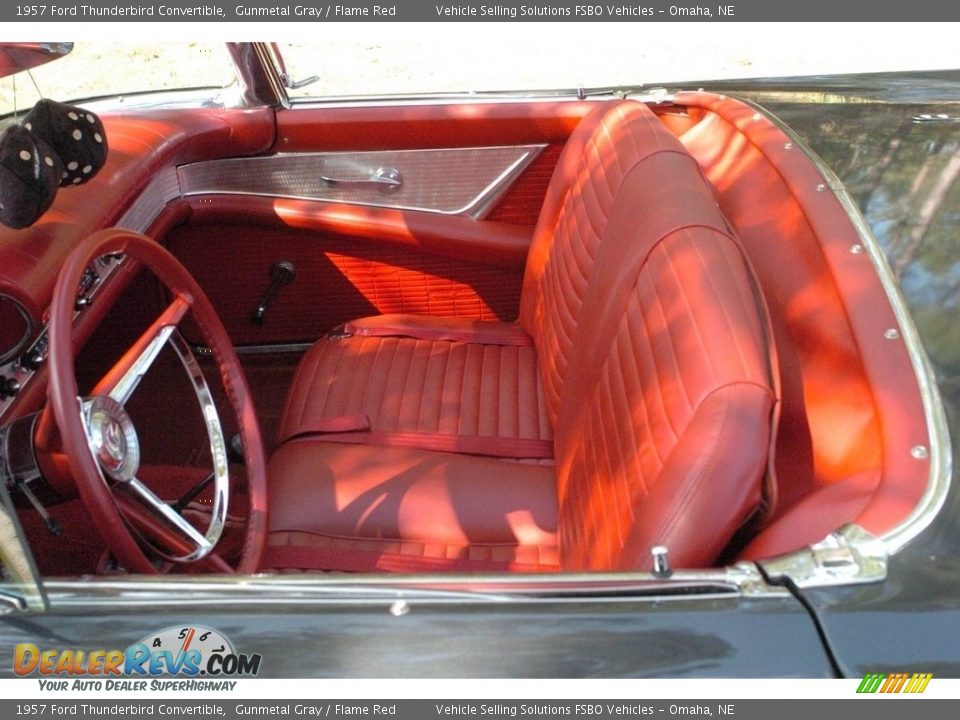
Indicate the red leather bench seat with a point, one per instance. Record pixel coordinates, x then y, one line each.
640 352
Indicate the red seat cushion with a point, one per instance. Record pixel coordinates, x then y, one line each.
353 507
422 387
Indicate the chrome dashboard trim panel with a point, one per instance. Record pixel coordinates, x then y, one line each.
151 201
454 181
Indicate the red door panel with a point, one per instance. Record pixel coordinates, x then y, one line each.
338 278
357 260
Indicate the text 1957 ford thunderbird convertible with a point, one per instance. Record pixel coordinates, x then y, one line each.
606 383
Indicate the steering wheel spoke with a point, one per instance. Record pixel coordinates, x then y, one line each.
172 517
124 377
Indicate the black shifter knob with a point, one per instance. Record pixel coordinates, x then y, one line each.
281 273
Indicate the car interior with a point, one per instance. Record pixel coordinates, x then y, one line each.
465 336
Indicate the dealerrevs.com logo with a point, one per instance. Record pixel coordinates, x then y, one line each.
187 652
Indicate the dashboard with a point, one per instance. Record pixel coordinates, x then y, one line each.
136 190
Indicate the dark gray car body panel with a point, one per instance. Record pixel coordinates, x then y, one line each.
729 637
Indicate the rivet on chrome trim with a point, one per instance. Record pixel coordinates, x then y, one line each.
919 452
856 249
891 334
399 608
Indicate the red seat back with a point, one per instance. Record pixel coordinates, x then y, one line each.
651 347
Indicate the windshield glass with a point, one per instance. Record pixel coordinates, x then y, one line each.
457 58
112 70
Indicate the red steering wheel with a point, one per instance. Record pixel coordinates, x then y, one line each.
101 441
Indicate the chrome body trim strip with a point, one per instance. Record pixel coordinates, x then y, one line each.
741 581
851 555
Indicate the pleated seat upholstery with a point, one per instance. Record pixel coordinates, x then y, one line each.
425 389
637 375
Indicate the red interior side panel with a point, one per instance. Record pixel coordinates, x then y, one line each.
521 205
336 281
845 380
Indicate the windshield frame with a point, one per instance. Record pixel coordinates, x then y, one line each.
21 585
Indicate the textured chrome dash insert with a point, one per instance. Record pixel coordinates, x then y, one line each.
150 203
451 181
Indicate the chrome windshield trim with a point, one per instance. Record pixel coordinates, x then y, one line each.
346 102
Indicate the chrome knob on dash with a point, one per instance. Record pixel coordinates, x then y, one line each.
661 565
